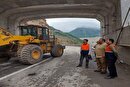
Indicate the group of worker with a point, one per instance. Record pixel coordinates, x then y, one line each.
106 56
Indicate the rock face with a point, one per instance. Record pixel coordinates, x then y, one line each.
66 38
41 22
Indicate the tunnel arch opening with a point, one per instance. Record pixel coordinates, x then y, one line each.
67 19
23 20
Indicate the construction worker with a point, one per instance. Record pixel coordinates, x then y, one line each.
100 56
111 57
84 53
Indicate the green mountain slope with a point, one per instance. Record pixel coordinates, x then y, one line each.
85 32
65 38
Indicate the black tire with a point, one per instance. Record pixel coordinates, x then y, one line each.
57 51
25 54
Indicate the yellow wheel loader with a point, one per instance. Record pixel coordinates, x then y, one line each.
30 45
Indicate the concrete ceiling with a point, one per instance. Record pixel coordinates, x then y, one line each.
13 4
47 6
17 10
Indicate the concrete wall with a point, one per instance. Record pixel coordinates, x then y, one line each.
124 49
125 37
124 42
124 53
3 22
125 5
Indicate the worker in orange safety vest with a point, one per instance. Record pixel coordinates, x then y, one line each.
84 53
111 57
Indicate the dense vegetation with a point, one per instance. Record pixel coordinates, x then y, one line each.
65 38
83 32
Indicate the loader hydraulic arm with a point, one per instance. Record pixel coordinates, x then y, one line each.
4 37
7 38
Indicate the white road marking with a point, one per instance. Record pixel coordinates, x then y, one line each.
4 77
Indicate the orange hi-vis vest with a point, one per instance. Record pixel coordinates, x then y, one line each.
85 47
108 49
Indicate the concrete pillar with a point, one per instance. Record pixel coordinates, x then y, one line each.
106 23
3 22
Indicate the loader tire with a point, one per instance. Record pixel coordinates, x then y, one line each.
30 54
57 51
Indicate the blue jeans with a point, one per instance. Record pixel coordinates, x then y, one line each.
84 54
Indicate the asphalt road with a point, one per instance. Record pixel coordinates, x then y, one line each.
62 72
13 65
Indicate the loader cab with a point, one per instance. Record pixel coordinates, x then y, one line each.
39 32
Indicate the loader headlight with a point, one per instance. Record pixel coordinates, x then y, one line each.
14 42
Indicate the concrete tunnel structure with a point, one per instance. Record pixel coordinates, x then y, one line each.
110 13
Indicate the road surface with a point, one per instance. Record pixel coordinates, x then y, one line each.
62 72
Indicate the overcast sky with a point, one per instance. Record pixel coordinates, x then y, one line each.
69 24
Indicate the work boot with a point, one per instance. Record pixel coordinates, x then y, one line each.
110 77
79 66
97 70
86 66
103 72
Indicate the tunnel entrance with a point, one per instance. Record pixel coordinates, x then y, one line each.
79 28
71 31
110 13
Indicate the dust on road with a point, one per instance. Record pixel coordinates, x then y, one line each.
62 72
